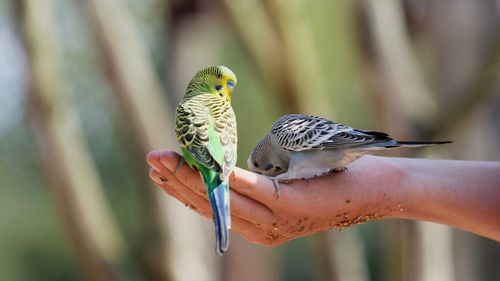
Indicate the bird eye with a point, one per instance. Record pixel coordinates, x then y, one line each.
230 83
218 87
255 164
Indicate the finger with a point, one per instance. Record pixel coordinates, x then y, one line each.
170 159
238 224
250 209
198 201
243 206
153 159
248 230
190 177
192 205
257 187
201 205
157 177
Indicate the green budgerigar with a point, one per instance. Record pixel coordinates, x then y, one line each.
206 130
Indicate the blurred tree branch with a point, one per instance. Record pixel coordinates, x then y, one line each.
269 61
73 179
397 59
480 90
301 59
139 95
354 266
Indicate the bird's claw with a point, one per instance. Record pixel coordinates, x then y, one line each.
179 164
276 187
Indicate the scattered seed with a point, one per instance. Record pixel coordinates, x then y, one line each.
272 236
357 220
275 226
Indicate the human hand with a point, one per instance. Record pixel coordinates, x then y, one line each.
303 207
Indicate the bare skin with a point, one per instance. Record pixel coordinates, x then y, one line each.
463 194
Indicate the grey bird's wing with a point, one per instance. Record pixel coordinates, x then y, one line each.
296 132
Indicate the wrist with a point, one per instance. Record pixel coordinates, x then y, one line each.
391 182
413 197
371 189
398 203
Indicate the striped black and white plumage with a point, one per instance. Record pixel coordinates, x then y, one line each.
303 146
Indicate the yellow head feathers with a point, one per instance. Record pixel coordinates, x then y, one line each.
218 80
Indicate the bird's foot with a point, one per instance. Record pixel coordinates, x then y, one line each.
179 164
276 187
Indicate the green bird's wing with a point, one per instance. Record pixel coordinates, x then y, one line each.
206 128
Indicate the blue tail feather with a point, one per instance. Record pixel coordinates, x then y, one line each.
219 200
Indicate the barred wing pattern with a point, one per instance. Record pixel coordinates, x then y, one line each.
297 132
194 115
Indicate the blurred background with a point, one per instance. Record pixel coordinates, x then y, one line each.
88 87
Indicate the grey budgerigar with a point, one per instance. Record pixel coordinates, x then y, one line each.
302 146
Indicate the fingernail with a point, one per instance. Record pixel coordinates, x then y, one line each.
156 180
151 157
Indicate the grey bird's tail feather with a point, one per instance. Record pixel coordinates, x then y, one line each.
382 140
219 200
396 144
416 143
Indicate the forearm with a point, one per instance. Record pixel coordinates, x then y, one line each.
463 194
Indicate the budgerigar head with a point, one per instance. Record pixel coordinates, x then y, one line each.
218 80
265 160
